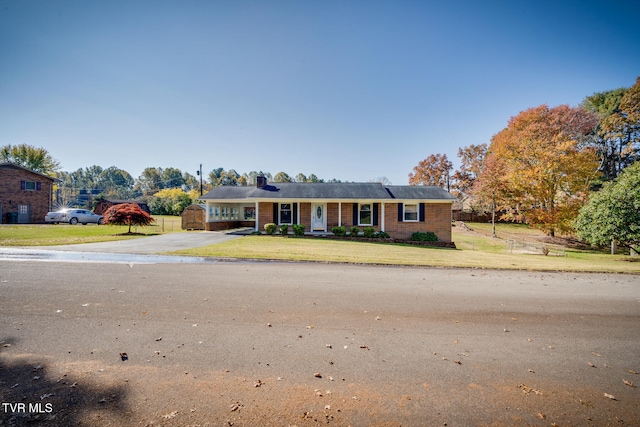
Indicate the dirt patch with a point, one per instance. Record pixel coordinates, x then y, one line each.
94 394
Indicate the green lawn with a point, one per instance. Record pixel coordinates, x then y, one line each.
65 234
487 253
474 248
60 234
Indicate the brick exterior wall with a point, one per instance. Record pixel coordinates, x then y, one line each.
305 215
11 194
265 215
437 218
228 225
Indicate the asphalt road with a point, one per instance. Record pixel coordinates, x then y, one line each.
249 344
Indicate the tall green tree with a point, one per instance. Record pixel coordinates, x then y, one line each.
229 177
215 175
150 181
613 213
30 157
282 177
314 178
171 178
116 183
618 134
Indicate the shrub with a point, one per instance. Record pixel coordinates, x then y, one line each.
369 232
420 236
339 231
298 230
270 228
284 229
382 235
354 231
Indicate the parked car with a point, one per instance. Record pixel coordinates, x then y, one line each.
73 216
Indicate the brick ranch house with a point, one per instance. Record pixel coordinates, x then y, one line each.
397 210
25 195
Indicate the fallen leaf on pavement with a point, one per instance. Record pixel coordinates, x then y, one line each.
526 389
610 396
170 415
629 383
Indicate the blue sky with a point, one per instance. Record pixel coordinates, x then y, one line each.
351 90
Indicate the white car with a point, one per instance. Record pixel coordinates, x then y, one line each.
73 216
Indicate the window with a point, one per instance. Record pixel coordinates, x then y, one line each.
365 217
224 213
249 213
29 185
234 213
411 213
286 215
214 212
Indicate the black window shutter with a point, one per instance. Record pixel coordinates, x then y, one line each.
275 213
295 213
421 212
375 213
38 186
400 213
23 185
355 214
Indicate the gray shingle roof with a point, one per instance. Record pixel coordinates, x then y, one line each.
419 192
331 191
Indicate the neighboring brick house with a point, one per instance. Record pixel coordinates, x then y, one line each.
103 205
397 210
25 195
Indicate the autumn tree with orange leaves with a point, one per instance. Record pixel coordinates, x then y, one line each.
434 170
548 165
472 160
491 188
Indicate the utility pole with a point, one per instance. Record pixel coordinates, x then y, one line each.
200 175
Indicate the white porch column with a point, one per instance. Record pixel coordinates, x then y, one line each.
382 213
339 214
257 216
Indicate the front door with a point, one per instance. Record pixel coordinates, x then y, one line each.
317 217
24 214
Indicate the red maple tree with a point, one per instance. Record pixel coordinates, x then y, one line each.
127 214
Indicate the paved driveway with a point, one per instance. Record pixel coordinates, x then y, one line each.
152 244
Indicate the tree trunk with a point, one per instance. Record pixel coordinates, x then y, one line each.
493 219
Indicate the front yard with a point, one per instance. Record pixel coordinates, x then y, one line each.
475 249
